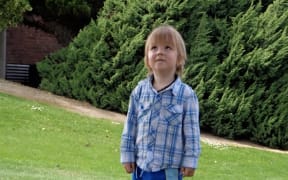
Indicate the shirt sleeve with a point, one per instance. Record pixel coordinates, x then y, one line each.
191 132
129 133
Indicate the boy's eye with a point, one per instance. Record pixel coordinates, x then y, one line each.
168 47
153 47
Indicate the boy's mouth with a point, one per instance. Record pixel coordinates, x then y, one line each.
160 60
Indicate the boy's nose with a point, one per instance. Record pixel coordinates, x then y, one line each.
159 50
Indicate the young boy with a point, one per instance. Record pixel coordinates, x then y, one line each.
161 137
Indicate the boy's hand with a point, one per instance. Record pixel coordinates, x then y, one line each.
129 167
187 172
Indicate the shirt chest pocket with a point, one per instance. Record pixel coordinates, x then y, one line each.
172 114
144 111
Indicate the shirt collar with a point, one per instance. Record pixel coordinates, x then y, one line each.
175 87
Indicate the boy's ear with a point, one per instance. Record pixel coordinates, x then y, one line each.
179 64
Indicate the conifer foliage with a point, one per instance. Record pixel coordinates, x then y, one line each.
237 62
11 12
253 79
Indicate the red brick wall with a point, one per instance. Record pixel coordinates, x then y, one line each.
27 45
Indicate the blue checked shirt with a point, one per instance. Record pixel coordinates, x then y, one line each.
162 128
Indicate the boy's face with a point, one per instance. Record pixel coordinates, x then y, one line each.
162 57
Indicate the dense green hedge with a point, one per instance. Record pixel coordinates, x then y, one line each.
237 62
11 12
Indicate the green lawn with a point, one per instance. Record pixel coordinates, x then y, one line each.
38 141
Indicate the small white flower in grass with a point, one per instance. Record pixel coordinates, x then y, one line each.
116 123
36 108
43 129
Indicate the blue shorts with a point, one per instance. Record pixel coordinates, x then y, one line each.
139 174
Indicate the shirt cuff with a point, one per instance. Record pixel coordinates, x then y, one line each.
190 162
127 157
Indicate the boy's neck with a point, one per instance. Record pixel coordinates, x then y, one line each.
160 82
